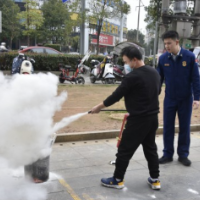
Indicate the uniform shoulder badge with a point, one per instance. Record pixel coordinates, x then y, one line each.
184 63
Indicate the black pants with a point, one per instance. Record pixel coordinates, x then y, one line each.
140 130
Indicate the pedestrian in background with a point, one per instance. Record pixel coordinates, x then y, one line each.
140 89
178 69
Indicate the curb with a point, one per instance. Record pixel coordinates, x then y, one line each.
96 135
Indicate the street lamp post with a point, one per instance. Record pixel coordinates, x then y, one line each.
138 21
82 29
155 45
121 25
0 22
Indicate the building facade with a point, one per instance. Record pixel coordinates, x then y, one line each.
110 32
21 2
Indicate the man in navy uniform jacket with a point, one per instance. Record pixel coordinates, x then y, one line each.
178 69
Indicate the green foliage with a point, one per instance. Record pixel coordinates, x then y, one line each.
53 62
45 62
6 60
10 22
31 19
132 35
153 13
74 42
148 61
54 46
56 22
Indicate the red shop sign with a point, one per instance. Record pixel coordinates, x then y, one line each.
104 40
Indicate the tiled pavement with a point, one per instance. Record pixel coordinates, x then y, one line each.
81 165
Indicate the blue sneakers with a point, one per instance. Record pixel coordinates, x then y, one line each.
112 182
155 185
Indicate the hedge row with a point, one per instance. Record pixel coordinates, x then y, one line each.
45 62
50 62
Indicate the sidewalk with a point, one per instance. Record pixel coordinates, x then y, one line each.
82 164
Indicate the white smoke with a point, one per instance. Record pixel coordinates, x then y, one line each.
27 106
19 189
28 103
67 120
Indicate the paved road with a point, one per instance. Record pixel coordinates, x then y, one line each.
81 165
77 167
87 81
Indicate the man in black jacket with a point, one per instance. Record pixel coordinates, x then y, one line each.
140 89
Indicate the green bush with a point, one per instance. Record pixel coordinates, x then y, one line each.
148 61
45 62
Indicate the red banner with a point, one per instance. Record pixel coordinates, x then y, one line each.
104 40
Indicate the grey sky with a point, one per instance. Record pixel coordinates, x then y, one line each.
132 18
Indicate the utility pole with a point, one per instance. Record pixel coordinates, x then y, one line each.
121 24
82 29
84 33
155 44
0 22
138 24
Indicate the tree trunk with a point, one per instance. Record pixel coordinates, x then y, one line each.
11 39
98 35
28 40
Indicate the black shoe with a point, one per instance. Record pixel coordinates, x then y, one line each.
165 159
185 161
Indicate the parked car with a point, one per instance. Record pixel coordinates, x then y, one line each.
22 47
40 49
74 53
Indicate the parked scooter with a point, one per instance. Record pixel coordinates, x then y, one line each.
22 64
3 48
76 77
103 73
84 69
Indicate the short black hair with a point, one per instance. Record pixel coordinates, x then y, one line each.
131 52
170 34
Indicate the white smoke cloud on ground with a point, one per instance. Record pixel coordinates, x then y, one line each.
27 106
19 189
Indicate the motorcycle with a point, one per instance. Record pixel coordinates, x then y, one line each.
22 64
118 72
76 77
105 73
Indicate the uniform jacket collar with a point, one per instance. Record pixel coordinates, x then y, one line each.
180 54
